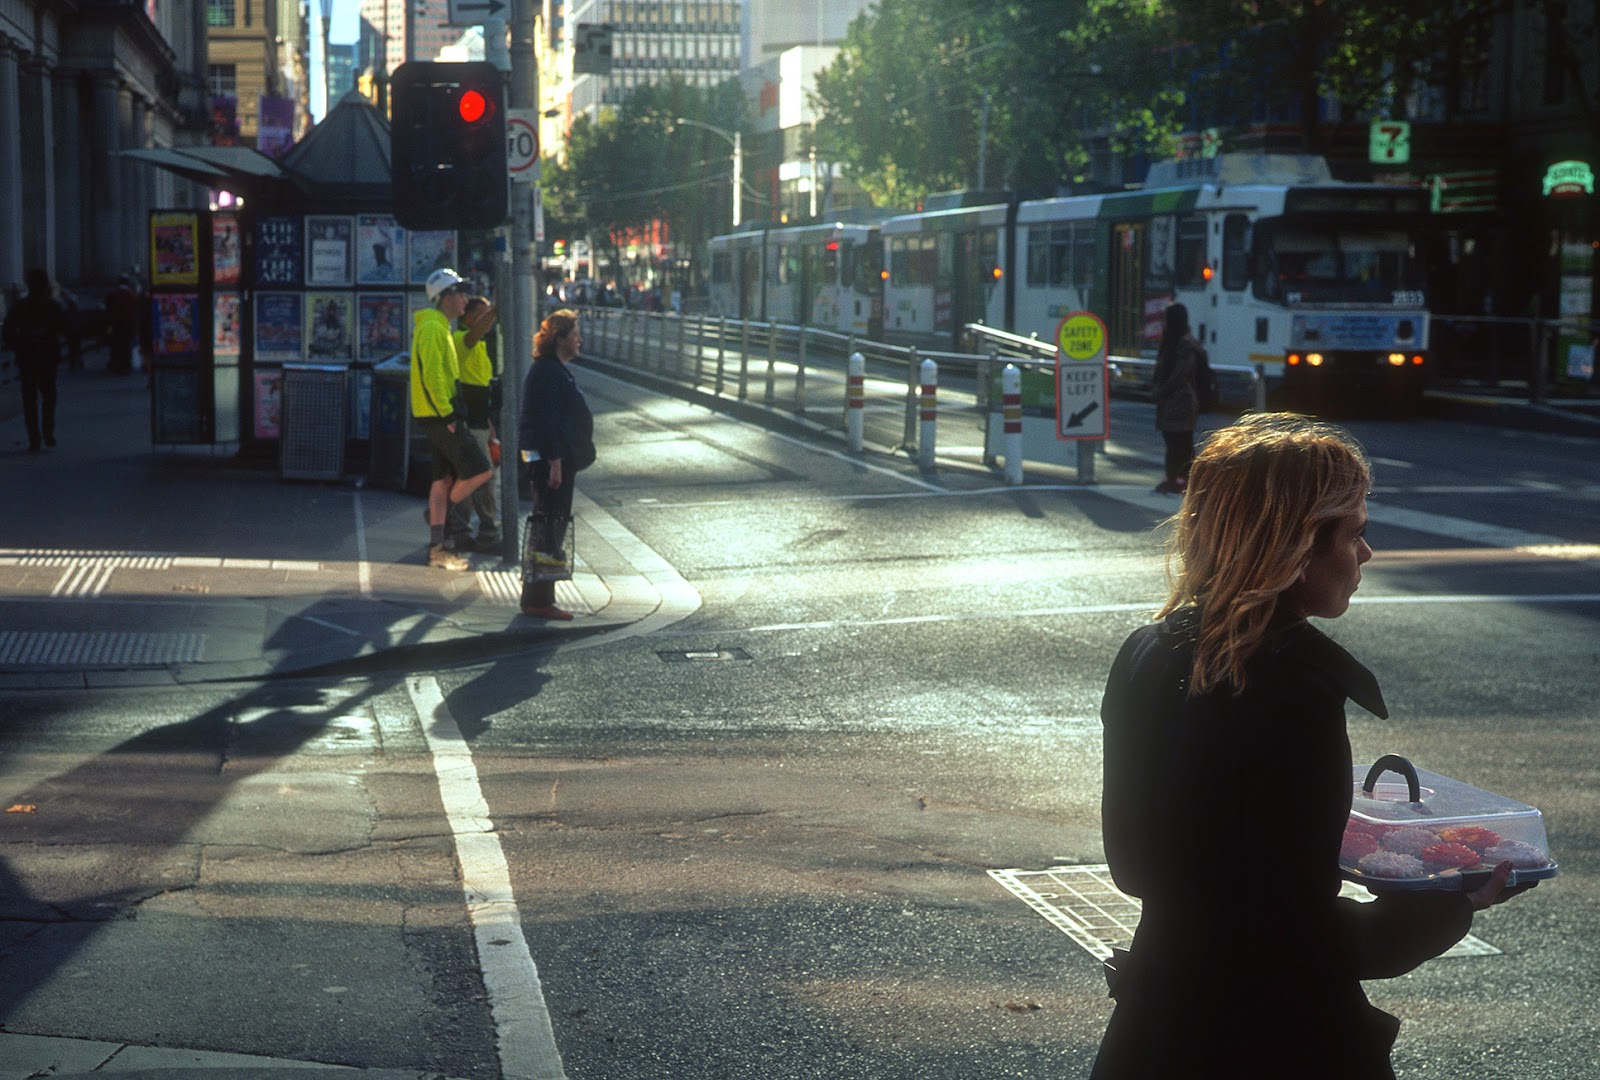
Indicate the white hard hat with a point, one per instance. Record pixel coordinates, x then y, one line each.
440 280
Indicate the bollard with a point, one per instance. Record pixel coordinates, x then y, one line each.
855 402
912 368
1011 412
772 375
928 436
800 376
744 358
722 337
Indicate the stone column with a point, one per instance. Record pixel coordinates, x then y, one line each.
70 184
11 268
105 177
38 167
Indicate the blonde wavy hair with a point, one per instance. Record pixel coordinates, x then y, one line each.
1263 494
556 325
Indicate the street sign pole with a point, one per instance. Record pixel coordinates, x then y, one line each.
518 315
1083 400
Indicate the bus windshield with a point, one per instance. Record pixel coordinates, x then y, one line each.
1316 263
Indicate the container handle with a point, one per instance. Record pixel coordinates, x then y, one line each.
1396 764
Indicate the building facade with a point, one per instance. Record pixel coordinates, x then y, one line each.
80 83
256 49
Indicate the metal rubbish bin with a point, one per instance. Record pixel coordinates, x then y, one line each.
391 423
311 443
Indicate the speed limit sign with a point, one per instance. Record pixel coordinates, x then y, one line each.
522 144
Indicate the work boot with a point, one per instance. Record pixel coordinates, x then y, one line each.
445 559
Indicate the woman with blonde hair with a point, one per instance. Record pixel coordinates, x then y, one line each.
1228 779
555 431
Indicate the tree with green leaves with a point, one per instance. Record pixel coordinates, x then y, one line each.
633 166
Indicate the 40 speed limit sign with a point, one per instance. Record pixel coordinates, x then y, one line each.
522 144
1082 397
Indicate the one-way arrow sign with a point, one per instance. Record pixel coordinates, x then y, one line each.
473 12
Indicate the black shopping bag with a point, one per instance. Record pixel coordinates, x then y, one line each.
547 548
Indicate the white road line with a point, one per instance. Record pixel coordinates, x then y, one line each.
526 1040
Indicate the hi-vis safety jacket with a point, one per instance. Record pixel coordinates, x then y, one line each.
434 368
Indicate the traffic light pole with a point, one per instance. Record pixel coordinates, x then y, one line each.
518 313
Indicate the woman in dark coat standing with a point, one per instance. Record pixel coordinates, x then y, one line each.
555 431
1177 400
1228 780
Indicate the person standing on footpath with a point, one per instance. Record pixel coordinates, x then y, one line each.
555 431
122 325
34 329
460 465
1228 777
477 375
1177 400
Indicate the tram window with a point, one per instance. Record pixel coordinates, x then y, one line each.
899 262
1191 251
1158 259
1039 261
1235 252
922 266
1082 256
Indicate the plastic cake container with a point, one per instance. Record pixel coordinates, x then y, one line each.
1420 830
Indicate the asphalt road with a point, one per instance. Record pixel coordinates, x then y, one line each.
756 842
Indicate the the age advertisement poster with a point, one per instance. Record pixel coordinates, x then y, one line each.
225 249
174 258
175 332
279 330
330 327
278 252
330 249
380 250
382 320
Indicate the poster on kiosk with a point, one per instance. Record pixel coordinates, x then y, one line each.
1082 378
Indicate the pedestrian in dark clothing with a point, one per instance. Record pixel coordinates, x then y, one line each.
555 432
34 330
1228 778
122 325
1177 400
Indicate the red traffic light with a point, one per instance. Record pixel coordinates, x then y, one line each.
472 106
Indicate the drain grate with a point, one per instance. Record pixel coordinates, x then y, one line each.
98 648
1082 903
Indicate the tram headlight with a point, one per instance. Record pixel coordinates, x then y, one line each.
1314 359
883 275
1294 359
1417 359
1397 359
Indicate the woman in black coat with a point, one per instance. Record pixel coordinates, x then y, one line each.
1176 394
1228 782
555 431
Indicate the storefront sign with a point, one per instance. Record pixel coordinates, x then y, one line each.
1567 178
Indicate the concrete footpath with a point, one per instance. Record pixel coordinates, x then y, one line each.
127 564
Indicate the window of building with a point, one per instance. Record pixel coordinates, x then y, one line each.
222 80
219 12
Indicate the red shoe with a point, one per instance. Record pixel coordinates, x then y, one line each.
547 612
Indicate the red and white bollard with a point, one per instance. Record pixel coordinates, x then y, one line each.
855 401
928 435
1011 412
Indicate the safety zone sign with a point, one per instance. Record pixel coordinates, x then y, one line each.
1083 409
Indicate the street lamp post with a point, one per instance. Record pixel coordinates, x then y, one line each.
736 140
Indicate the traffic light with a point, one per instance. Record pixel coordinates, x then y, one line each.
447 147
